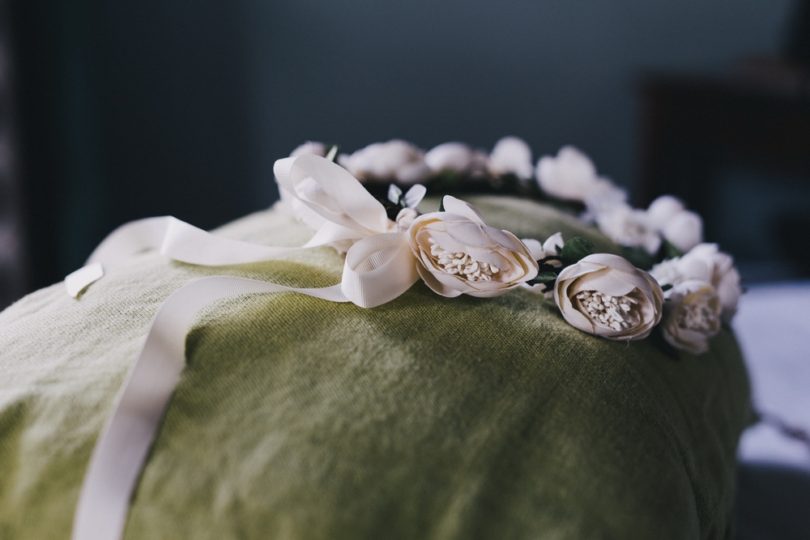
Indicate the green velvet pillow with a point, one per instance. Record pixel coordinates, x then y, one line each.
423 418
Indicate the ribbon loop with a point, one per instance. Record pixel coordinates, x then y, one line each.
189 244
378 269
322 194
333 193
130 239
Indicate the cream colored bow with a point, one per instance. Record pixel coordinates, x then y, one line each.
378 268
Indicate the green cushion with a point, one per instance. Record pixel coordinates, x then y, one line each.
423 418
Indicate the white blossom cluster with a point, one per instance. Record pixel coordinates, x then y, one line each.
700 289
400 161
569 176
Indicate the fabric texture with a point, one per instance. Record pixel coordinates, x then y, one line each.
422 418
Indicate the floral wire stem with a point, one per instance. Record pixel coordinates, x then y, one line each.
549 268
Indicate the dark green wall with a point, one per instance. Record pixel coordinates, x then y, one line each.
143 108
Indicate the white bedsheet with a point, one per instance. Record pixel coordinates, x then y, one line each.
773 326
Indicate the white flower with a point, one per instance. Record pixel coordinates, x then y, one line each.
724 276
550 248
409 199
663 209
704 262
451 156
684 230
668 272
603 198
405 218
310 147
511 155
692 316
553 244
571 175
607 296
459 254
629 227
393 160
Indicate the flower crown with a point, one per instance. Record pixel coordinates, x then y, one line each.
665 271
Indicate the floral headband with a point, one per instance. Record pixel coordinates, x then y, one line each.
665 274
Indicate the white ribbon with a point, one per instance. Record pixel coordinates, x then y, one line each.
181 242
379 267
121 449
322 194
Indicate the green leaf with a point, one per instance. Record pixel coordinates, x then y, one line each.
575 250
669 251
546 278
638 256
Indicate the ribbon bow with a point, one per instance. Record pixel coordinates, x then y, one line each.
325 196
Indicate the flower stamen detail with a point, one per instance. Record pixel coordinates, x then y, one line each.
698 317
462 264
614 312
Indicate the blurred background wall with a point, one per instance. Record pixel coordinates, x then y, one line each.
130 109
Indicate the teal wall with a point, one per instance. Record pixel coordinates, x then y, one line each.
144 108
555 72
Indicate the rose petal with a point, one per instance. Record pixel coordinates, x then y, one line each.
456 206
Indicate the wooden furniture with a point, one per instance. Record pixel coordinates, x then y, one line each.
696 127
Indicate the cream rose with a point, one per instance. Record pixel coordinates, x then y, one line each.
705 262
459 254
723 275
607 296
693 313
